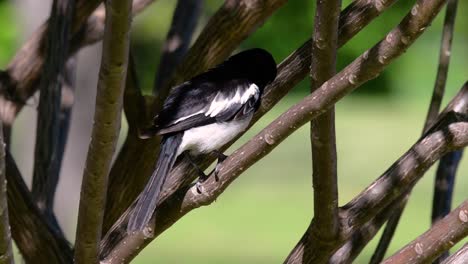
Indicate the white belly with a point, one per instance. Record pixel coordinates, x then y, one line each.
205 139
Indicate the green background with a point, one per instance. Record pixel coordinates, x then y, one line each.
265 212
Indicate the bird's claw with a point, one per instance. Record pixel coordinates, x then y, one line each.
199 187
216 171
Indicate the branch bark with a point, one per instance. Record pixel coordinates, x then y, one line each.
444 60
24 71
432 115
6 252
136 161
29 227
442 236
322 128
107 119
20 80
367 66
361 237
393 185
46 158
448 165
458 257
177 43
231 24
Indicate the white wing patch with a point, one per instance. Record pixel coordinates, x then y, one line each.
220 103
185 117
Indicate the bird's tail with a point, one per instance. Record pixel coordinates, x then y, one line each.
148 199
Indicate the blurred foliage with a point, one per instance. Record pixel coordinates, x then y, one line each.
9 33
289 27
368 131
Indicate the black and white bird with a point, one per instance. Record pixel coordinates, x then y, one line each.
203 114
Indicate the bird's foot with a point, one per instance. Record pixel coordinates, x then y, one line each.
202 177
221 158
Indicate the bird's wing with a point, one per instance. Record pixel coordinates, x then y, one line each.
209 103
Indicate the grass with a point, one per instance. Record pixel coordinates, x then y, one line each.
264 213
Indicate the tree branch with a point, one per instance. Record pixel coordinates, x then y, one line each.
364 68
29 227
228 27
322 128
231 24
24 71
446 135
20 80
46 159
432 115
136 161
444 60
6 252
107 119
133 103
447 169
442 236
458 257
361 237
177 43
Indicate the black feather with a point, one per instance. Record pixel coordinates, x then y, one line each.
148 199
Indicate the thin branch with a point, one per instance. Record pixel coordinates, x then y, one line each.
29 227
177 42
24 71
21 78
439 238
393 185
450 133
444 60
362 69
388 234
107 119
6 252
458 257
448 165
432 115
233 22
133 103
46 160
322 128
127 181
361 237
228 27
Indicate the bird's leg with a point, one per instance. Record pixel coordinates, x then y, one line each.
202 177
221 157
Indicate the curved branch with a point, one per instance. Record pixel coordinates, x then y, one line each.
364 68
231 24
29 228
106 128
6 252
432 115
20 80
136 160
177 42
361 237
47 149
322 128
458 257
439 238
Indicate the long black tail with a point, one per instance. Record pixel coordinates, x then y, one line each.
148 199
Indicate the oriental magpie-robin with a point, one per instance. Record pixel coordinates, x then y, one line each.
201 115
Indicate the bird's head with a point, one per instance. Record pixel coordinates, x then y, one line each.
256 65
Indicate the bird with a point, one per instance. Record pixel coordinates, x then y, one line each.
201 115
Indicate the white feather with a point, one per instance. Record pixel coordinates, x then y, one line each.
205 139
221 104
185 117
